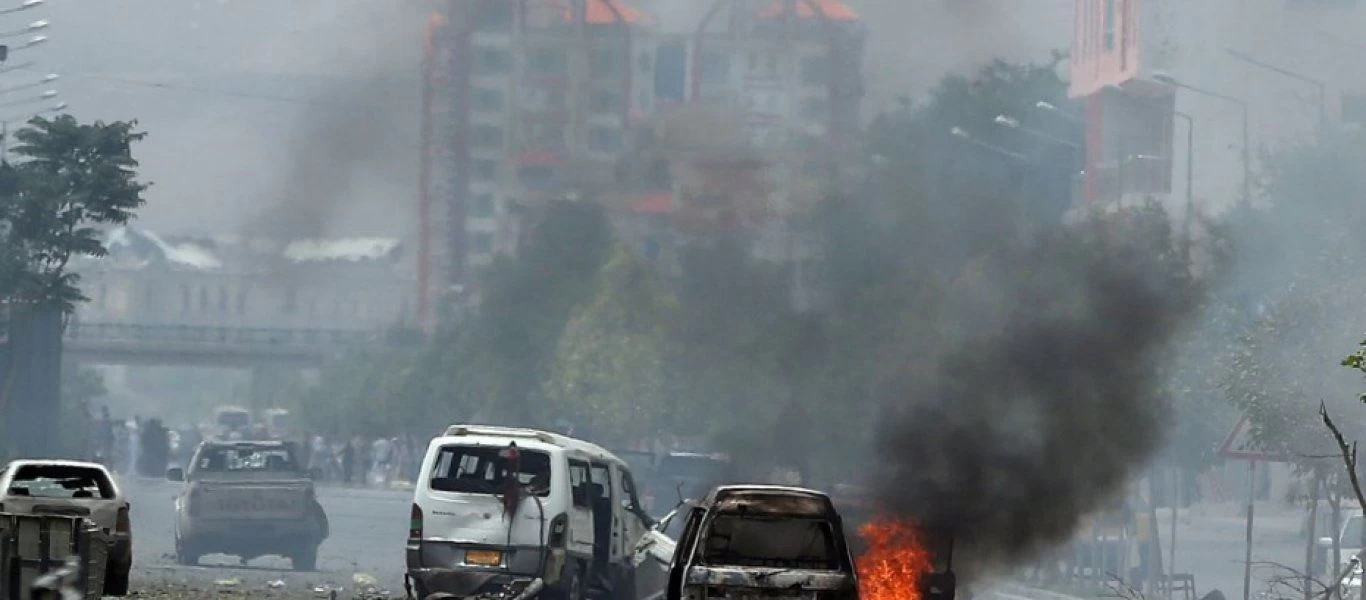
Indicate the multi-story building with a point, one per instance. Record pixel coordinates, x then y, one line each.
1279 69
526 99
533 99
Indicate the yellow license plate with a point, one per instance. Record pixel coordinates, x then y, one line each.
489 558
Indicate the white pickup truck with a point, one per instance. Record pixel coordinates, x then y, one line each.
247 499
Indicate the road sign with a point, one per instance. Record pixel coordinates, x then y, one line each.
1239 445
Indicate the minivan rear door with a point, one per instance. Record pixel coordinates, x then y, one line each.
466 491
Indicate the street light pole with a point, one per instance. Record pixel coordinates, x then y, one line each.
1241 104
1322 87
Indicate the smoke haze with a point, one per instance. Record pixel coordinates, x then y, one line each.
1043 401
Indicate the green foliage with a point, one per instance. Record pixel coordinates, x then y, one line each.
611 373
1297 253
69 178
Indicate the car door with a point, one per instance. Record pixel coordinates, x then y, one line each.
654 551
682 555
607 501
635 521
580 511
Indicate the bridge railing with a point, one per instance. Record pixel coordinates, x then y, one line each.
216 335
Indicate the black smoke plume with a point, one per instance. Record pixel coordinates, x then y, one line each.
1045 400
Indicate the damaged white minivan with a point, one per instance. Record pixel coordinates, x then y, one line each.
496 507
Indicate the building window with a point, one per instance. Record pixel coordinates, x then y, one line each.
488 100
604 102
604 63
546 63
481 242
485 170
715 67
763 66
492 61
482 205
495 16
604 139
543 135
1110 25
538 177
816 109
488 136
816 70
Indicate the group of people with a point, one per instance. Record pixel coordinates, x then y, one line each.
145 447
370 463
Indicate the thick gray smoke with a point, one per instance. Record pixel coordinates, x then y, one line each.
353 143
1045 402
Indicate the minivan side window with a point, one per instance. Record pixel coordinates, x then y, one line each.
628 491
578 483
602 482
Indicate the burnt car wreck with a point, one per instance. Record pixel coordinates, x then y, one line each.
758 540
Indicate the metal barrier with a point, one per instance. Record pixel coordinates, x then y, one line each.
212 334
50 556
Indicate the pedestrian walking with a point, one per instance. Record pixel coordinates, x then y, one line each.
348 462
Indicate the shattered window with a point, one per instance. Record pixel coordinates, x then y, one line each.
483 470
231 459
791 543
52 481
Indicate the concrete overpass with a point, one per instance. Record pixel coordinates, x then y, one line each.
207 346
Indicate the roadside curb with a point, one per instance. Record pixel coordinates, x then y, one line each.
1031 593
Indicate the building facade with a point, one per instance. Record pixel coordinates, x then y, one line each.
1143 66
530 100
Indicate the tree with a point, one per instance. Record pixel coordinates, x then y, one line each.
611 372
70 178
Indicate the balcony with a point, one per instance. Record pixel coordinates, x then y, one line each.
1139 174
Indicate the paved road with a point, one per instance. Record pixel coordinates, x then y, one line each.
368 530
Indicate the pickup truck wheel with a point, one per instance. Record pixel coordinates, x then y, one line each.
116 579
306 559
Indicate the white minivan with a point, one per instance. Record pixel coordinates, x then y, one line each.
495 505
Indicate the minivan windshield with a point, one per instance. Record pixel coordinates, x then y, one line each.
484 470
781 542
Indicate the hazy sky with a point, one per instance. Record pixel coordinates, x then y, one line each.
205 78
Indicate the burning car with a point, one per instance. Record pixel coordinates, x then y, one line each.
773 541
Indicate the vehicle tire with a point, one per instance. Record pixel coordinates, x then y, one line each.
116 579
306 559
185 554
570 586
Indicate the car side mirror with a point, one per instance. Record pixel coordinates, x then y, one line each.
1325 542
175 474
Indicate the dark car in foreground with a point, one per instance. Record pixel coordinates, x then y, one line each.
777 542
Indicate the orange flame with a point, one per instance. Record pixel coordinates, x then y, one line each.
895 561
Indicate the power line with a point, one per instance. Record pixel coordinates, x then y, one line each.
231 93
